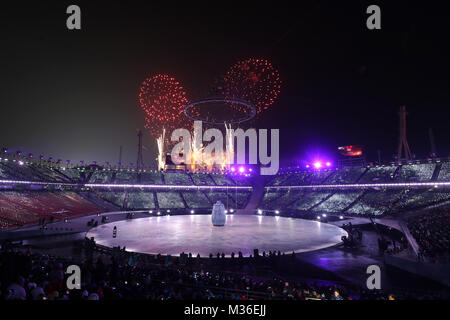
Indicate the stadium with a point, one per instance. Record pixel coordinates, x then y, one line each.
245 153
68 212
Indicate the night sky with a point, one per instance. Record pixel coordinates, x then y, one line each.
73 94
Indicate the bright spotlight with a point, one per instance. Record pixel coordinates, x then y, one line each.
324 215
231 210
226 211
341 217
277 212
259 211
317 165
192 211
318 217
328 164
159 213
151 211
233 169
241 169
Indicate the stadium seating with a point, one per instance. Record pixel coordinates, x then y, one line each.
444 173
202 179
375 202
72 173
379 174
177 178
416 172
151 178
22 206
101 177
338 202
276 200
140 200
345 176
196 199
222 180
432 233
170 200
311 199
116 198
125 177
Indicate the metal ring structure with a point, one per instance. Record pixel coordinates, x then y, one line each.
248 117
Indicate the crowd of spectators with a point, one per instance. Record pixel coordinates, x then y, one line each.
432 233
35 276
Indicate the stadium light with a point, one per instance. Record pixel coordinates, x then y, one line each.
318 217
259 211
277 212
341 217
318 165
324 215
192 211
231 210
151 211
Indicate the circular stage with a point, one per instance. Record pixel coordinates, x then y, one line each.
195 233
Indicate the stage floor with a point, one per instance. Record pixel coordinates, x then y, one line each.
195 233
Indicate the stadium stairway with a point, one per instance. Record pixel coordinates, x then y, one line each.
257 194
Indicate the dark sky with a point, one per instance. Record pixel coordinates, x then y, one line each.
73 94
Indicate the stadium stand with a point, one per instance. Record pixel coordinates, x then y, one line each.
311 199
432 234
379 174
151 178
170 200
116 198
177 178
101 177
202 179
222 180
444 174
338 202
344 176
375 202
196 199
140 200
126 177
21 206
416 172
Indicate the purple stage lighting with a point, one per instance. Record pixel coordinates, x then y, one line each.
328 164
241 169
317 164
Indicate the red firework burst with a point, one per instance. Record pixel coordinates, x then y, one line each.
163 100
254 80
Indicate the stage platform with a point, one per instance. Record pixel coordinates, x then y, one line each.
195 234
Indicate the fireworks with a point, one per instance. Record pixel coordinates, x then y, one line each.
163 99
253 80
